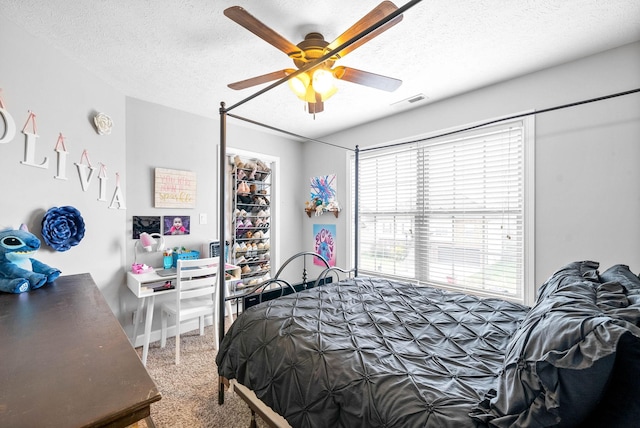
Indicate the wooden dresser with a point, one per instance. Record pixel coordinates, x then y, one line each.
66 362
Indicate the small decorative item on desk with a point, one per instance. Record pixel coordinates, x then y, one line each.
184 254
167 258
140 268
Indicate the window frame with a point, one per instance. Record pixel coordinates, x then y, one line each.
528 211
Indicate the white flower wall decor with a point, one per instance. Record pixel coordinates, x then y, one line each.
103 123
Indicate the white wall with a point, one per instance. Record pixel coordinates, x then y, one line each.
64 97
587 175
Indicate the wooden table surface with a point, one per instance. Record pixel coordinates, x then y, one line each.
66 362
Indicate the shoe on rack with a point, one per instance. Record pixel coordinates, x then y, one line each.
240 230
243 189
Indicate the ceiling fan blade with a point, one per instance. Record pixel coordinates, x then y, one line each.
275 75
379 12
366 78
248 21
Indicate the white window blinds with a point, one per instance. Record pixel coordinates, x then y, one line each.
448 212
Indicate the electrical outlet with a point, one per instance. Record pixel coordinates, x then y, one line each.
133 318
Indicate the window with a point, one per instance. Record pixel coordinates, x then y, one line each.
453 211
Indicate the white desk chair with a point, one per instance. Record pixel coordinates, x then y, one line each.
195 297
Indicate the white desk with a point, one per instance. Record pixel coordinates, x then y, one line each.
138 282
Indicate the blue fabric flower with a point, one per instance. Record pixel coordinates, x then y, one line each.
62 228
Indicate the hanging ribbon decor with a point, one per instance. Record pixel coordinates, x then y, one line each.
61 153
117 201
85 178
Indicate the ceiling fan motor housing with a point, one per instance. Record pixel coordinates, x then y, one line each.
313 46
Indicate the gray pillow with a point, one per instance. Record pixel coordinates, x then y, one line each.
576 271
622 274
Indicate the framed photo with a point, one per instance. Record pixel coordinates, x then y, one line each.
149 224
177 225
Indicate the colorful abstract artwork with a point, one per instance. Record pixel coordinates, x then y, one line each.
324 188
324 243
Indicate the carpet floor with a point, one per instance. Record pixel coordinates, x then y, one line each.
190 389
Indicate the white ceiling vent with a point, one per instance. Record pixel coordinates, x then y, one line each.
407 102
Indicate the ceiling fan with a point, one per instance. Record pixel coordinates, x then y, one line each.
316 85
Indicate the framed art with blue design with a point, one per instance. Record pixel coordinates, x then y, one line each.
324 237
323 188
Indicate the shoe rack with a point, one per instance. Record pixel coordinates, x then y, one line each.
251 213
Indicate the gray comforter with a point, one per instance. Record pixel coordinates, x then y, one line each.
378 353
371 353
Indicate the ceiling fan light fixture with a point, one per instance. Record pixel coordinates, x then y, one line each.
313 89
299 85
312 96
323 82
328 94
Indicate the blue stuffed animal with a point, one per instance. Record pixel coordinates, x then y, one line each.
18 271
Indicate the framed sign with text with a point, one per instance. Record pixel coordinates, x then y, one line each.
175 188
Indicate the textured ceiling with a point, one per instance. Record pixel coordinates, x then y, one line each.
183 53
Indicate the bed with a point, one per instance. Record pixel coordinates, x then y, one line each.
374 352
